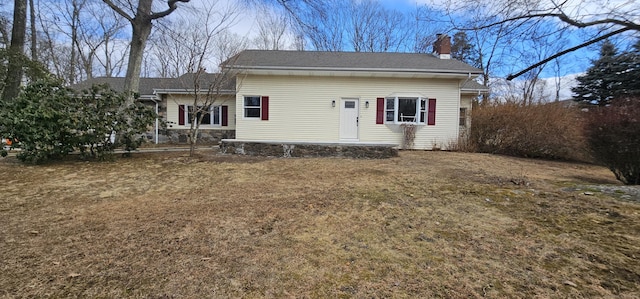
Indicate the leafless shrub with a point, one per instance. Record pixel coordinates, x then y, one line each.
462 144
614 137
409 135
538 131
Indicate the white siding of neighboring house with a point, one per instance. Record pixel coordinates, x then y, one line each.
173 101
300 108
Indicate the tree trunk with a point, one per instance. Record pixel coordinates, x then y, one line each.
16 51
34 35
141 26
141 31
75 16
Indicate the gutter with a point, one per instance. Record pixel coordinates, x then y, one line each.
380 70
189 91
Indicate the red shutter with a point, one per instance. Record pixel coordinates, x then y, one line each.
265 108
431 118
225 118
181 115
379 110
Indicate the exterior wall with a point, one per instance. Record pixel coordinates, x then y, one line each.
300 108
176 133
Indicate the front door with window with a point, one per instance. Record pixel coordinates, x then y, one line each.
349 119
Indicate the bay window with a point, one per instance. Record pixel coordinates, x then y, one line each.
405 110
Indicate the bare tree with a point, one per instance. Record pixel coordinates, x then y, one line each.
16 51
96 41
4 31
208 94
186 45
372 28
186 49
273 27
358 25
323 25
140 17
211 90
596 20
58 20
104 39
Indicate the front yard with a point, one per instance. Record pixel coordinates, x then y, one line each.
425 224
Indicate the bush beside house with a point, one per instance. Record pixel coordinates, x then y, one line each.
49 121
548 131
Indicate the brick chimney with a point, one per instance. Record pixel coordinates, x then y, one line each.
442 46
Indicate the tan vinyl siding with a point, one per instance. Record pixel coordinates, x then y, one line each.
300 108
173 101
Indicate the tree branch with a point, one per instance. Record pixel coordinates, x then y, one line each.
563 17
173 4
118 10
590 42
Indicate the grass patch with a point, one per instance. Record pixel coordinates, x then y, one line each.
425 224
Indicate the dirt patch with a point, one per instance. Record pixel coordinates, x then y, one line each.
425 224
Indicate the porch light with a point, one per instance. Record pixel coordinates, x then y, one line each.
333 103
366 104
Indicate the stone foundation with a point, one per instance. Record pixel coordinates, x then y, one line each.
287 150
173 136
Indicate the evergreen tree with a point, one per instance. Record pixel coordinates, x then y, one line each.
463 50
611 76
630 65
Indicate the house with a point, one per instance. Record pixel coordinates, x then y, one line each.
418 101
293 97
172 99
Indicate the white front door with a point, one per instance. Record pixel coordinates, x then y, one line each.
349 119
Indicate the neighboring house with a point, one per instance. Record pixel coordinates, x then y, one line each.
325 97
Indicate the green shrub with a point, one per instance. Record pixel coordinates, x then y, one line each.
49 121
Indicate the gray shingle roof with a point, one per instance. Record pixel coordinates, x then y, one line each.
472 85
148 85
347 61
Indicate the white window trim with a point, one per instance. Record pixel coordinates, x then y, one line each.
418 120
211 121
466 117
244 107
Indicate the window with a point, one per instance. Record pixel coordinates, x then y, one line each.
423 110
252 107
390 108
463 117
405 110
211 117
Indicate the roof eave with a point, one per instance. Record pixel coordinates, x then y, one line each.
381 70
474 91
380 73
191 91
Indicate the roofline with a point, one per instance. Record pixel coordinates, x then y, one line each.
189 91
381 70
473 89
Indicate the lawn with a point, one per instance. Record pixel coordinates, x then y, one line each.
425 224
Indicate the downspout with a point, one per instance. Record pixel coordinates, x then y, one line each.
156 124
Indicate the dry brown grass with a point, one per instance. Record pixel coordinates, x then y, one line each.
425 224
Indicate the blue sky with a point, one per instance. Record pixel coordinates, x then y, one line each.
571 64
